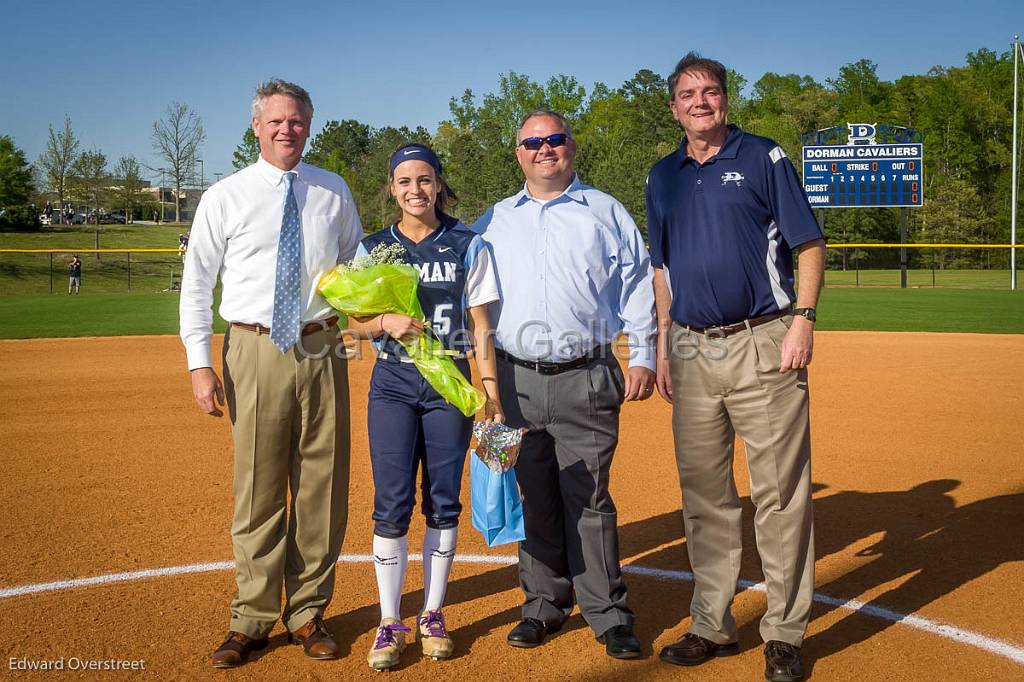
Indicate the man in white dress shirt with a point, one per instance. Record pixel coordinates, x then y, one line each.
573 274
269 231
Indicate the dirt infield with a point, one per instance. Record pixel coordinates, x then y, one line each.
109 468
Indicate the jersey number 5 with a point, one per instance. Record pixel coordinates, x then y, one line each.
442 322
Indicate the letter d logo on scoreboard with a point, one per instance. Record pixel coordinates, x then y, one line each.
861 133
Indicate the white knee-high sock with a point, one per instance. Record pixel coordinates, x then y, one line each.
438 554
390 557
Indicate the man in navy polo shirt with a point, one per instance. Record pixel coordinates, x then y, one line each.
726 212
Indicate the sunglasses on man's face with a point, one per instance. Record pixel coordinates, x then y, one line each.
535 143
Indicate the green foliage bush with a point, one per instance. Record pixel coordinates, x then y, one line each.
20 219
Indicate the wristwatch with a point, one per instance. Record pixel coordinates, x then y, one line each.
809 313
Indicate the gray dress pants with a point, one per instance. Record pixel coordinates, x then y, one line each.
571 540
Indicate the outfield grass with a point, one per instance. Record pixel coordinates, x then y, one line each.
935 310
931 310
921 278
964 300
45 316
71 237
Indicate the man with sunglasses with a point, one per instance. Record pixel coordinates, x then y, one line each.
726 213
573 274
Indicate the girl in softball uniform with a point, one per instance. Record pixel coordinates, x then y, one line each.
411 427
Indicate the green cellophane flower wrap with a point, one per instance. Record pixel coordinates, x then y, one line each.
369 287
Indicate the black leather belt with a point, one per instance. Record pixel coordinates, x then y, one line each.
549 368
730 329
307 329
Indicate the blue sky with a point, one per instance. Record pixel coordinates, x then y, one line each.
114 66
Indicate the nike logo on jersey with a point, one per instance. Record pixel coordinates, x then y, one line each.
437 272
444 249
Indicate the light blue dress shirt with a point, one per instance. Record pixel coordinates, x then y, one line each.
573 273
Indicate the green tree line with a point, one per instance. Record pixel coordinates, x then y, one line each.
963 112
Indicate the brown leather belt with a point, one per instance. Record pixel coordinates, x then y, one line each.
310 328
550 368
730 329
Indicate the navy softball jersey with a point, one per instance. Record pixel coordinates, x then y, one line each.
411 426
456 273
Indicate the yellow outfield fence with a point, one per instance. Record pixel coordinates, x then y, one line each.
868 245
941 264
90 250
859 264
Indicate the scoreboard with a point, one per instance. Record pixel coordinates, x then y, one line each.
863 175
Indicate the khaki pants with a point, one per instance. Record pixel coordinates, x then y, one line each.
289 414
728 386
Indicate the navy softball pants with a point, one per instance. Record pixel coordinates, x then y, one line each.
412 427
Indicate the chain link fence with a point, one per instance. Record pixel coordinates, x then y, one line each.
38 271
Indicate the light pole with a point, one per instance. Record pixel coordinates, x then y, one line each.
160 193
1013 172
217 175
202 182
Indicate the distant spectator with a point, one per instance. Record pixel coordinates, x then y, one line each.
182 245
74 275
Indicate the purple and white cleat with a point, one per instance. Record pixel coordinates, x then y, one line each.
388 645
434 636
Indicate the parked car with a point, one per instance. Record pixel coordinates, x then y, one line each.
78 219
116 217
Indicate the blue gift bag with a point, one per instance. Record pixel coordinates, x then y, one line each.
497 506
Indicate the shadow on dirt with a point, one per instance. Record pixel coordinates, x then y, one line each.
926 539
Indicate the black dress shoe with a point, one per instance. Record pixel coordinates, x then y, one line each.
694 649
782 662
620 642
530 633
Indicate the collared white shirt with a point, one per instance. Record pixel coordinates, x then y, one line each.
235 235
573 273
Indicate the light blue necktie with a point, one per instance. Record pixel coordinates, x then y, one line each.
284 327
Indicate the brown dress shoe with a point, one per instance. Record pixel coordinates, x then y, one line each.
693 650
316 640
236 649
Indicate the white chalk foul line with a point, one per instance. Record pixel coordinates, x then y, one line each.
1006 649
990 644
131 576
